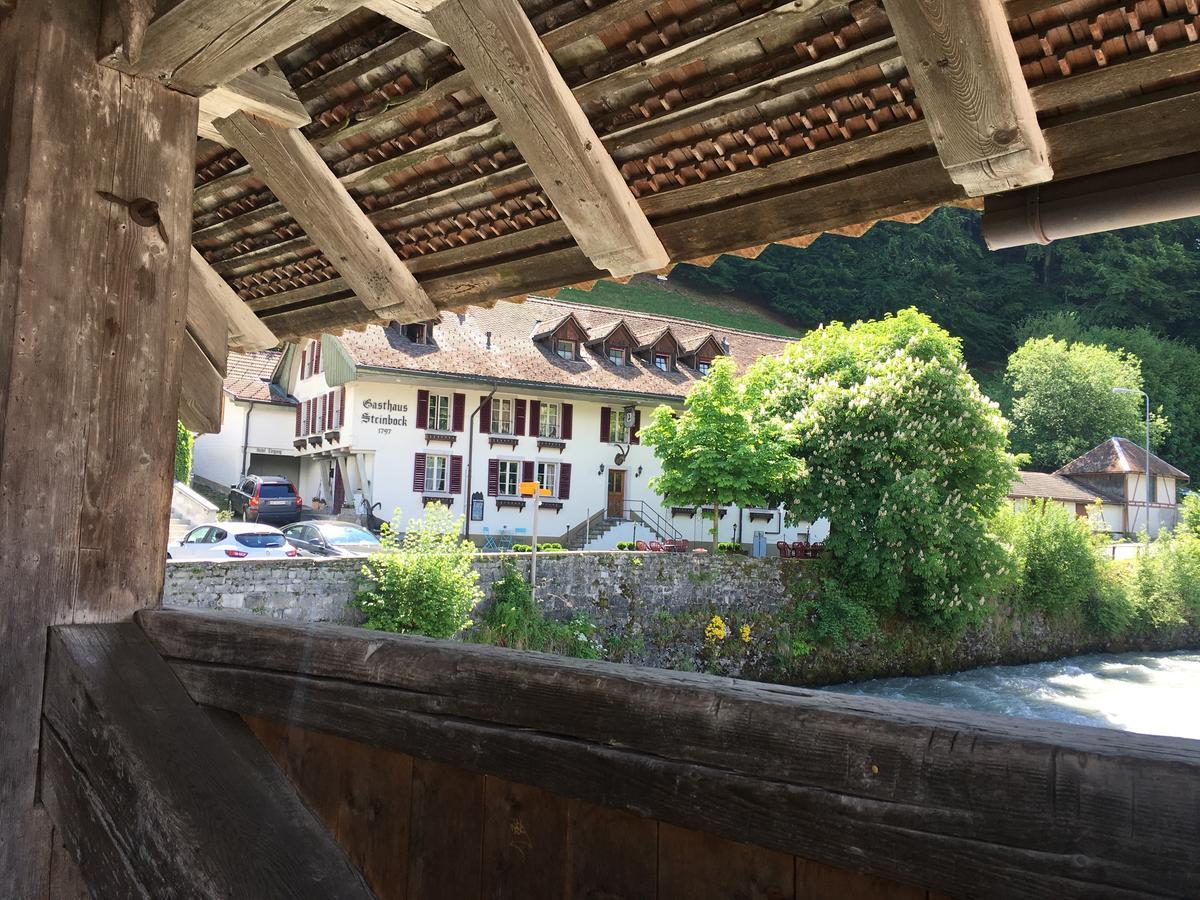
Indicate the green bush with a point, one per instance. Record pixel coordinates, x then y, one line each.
1056 563
1110 609
548 547
184 444
626 545
515 620
729 547
1164 581
1189 514
425 585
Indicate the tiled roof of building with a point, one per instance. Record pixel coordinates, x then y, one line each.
461 348
249 377
1119 456
1040 486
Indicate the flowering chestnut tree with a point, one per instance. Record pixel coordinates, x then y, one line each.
906 459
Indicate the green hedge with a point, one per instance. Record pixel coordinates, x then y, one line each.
548 547
184 442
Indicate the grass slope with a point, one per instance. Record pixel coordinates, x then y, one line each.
665 299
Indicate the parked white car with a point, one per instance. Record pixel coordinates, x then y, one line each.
232 540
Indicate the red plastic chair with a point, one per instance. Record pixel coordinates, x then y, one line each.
800 549
681 545
656 547
641 546
785 552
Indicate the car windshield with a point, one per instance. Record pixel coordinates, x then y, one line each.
275 490
260 539
348 534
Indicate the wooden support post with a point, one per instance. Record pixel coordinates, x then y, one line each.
296 174
92 308
524 88
968 79
155 799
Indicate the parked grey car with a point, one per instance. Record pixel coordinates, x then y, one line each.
331 538
265 498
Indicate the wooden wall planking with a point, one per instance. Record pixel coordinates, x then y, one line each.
422 830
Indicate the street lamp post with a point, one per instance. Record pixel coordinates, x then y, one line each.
1124 390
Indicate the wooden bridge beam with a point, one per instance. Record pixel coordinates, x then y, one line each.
93 296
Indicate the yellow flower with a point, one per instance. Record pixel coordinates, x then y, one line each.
715 630
744 631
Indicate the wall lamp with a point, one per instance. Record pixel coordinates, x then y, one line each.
600 471
638 473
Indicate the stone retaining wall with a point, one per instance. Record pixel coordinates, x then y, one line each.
652 609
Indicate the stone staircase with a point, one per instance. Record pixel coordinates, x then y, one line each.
179 527
585 533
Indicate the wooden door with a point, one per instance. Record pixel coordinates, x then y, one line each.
616 493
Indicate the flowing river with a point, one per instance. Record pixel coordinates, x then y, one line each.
1150 693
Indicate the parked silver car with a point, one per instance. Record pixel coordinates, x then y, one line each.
232 540
331 538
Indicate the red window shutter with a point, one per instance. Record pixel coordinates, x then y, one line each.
324 412
304 415
493 477
422 409
535 418
303 363
605 423
527 470
316 356
485 415
519 417
342 407
298 412
312 415
419 473
330 410
456 474
564 481
458 411
637 426
565 424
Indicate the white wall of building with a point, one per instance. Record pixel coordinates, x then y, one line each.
1163 511
381 436
218 457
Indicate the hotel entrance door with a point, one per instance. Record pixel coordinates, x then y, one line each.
616 493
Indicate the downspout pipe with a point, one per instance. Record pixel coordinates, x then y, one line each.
1122 198
246 436
471 460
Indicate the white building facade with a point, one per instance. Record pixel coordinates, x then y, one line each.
462 410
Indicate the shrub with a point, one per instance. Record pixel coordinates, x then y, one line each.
626 545
548 547
1189 514
1110 609
184 444
1056 564
426 584
515 620
1164 581
729 547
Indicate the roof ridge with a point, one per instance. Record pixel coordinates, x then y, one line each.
621 313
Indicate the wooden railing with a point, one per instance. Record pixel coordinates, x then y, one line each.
966 804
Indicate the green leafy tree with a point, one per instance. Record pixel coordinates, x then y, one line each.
713 453
1063 402
184 444
425 584
905 458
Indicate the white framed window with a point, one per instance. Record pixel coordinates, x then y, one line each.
502 416
616 354
662 361
439 413
549 417
618 431
508 473
703 366
437 474
565 348
547 476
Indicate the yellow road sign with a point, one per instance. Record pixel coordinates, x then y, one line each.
529 488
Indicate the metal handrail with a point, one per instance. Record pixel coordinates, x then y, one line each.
653 520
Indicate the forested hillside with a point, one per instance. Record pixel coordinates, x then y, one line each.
1138 277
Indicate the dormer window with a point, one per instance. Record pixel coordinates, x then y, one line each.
418 332
567 349
663 362
703 366
617 355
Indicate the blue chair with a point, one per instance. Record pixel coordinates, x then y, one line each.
489 543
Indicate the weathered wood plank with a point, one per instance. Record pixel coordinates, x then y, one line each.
410 15
201 397
524 842
816 881
527 93
361 793
91 315
297 175
198 45
937 792
967 76
244 331
610 854
154 800
446 847
264 91
697 866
